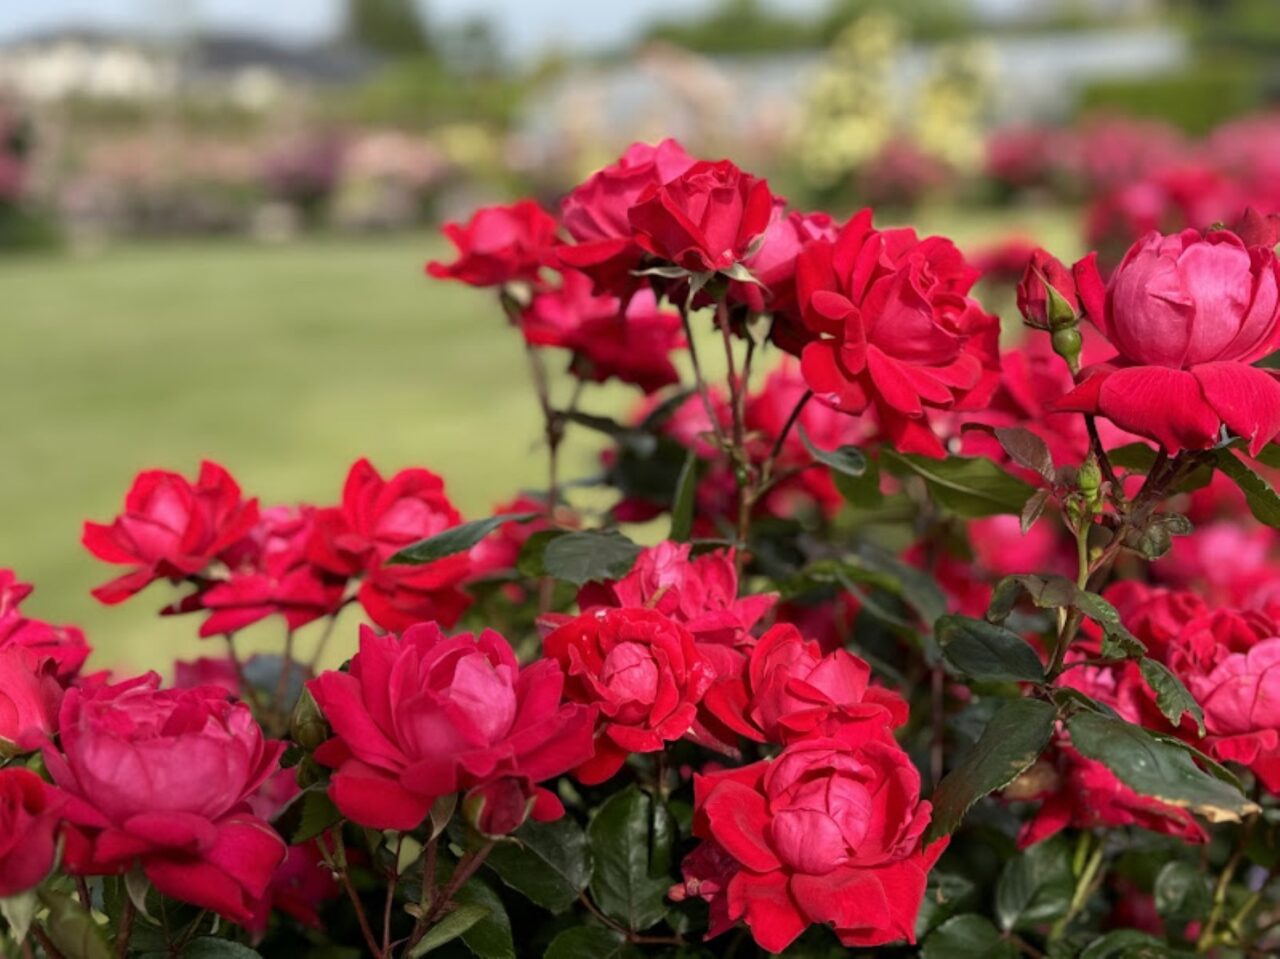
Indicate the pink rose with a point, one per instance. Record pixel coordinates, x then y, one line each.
1188 314
642 669
826 832
29 815
163 778
1241 702
170 528
426 715
65 645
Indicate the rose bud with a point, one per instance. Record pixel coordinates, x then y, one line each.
1047 297
29 816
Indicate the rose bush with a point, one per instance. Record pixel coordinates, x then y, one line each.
897 644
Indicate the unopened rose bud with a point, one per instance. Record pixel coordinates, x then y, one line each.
307 726
1047 297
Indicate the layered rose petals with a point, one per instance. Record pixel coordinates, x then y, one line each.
30 811
499 245
424 716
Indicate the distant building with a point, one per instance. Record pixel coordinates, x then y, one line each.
243 70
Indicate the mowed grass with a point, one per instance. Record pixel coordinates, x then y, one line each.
285 364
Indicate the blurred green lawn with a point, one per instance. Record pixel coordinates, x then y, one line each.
283 363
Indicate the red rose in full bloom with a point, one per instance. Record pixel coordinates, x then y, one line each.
65 645
29 700
1241 702
378 518
633 344
896 330
706 219
170 528
499 244
29 815
827 832
1188 314
642 669
163 778
791 691
427 715
270 573
596 215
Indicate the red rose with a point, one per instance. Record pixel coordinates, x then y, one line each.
299 887
824 833
170 528
65 645
791 691
1241 702
1155 615
29 817
705 220
162 778
642 669
377 519
896 330
498 245
596 215
1187 314
425 716
633 344
270 573
1044 272
29 699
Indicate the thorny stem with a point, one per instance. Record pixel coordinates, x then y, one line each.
1085 884
464 870
337 861
703 391
281 695
1207 935
786 430
50 950
247 692
125 929
1104 461
323 642
393 878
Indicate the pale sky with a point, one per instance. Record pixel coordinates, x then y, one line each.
525 25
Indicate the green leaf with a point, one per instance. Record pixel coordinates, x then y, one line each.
490 937
967 937
72 929
970 487
1156 538
1173 698
1138 457
453 925
1033 508
589 942
623 884
549 863
318 814
1155 768
1262 499
946 894
987 652
1056 592
1036 887
455 539
846 460
1182 892
1026 449
1012 741
860 492
529 562
587 556
1131 944
686 498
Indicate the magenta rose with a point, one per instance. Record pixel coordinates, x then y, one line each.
826 832
644 672
163 779
30 810
170 528
791 691
596 215
1043 272
379 517
64 645
1188 314
29 700
705 220
1241 702
424 716
499 245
